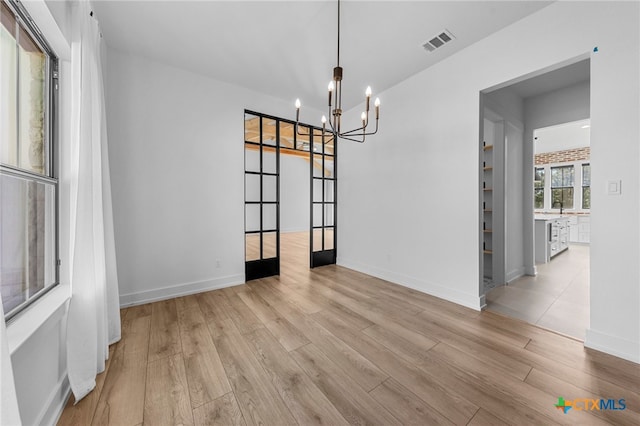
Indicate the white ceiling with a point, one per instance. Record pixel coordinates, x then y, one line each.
578 72
576 134
288 48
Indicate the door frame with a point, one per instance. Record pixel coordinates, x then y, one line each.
261 268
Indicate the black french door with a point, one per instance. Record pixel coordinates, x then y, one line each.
266 139
324 205
262 196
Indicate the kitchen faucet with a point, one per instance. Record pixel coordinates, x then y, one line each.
559 202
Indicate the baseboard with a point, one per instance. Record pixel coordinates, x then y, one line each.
293 230
613 345
473 301
483 302
531 271
170 292
515 274
56 402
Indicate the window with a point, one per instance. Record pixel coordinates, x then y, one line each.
562 179
586 186
538 188
28 184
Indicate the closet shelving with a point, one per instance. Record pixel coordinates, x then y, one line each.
487 210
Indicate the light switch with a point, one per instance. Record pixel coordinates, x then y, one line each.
614 187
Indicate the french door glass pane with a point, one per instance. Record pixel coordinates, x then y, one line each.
317 189
269 188
252 158
268 132
328 215
252 187
302 140
317 215
251 128
252 247
328 238
252 217
317 240
286 135
269 218
269 159
269 245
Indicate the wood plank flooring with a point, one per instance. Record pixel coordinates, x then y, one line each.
333 346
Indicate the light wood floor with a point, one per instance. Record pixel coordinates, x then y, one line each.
332 346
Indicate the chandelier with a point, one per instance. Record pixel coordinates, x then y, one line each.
335 106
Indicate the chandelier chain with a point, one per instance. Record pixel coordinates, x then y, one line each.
338 33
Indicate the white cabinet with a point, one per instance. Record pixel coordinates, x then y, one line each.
584 229
580 229
551 237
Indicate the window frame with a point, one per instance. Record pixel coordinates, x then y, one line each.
50 142
564 187
577 188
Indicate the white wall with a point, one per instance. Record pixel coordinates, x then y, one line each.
177 168
514 203
294 194
409 198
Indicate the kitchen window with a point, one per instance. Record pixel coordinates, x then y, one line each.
562 180
586 186
28 180
538 188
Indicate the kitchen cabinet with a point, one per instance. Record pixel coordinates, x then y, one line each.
551 237
580 229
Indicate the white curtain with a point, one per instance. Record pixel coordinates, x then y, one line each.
94 317
9 414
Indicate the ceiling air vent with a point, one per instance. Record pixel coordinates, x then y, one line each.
438 41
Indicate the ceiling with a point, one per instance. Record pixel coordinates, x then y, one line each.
575 134
288 48
569 75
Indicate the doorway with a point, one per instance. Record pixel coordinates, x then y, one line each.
545 176
290 202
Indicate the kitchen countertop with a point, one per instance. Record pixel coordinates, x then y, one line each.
549 217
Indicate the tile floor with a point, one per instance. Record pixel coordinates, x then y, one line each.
556 299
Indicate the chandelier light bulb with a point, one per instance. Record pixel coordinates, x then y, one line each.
377 102
298 103
368 91
331 86
324 119
363 116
